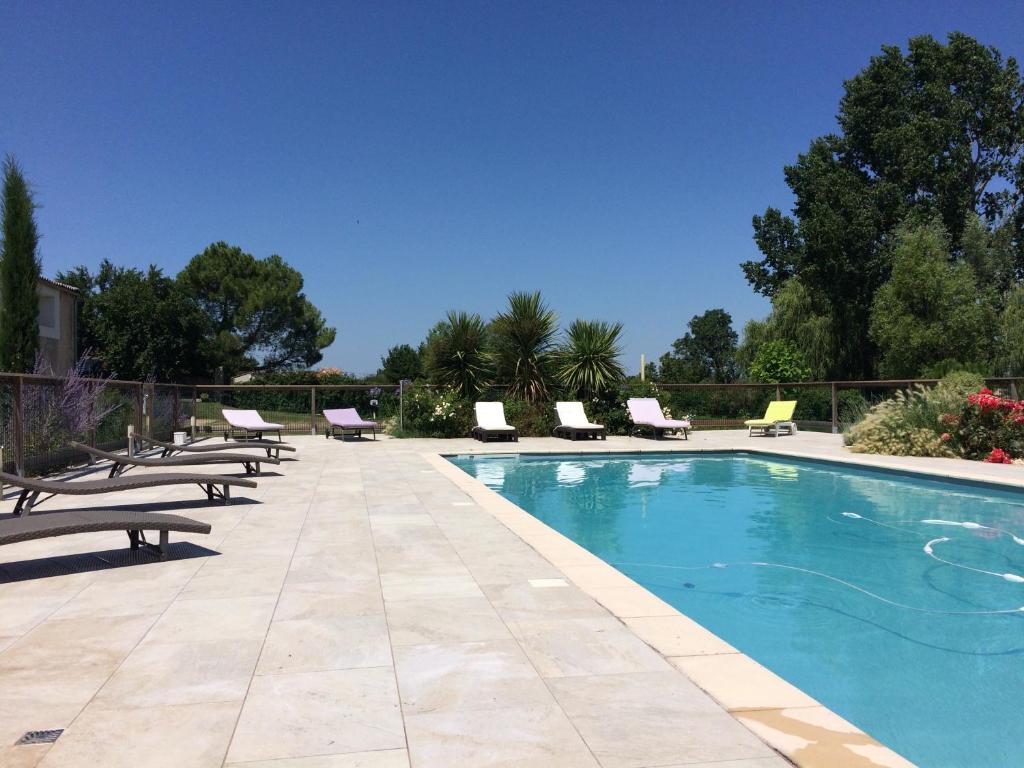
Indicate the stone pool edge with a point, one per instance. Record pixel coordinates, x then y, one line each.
791 722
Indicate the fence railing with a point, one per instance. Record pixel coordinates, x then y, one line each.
34 434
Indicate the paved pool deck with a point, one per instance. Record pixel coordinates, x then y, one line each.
369 605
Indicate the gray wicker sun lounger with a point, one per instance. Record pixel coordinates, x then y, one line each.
121 460
32 488
43 526
172 448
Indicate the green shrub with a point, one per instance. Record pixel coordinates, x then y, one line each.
436 413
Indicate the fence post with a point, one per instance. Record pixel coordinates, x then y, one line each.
401 403
175 410
19 426
778 392
835 409
195 400
1013 389
312 410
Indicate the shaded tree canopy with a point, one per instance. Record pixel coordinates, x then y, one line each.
260 317
140 324
19 273
707 352
936 131
932 308
401 362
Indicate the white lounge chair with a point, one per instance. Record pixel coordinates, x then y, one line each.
250 424
575 424
646 412
491 424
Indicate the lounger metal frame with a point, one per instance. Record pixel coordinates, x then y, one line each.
72 522
574 433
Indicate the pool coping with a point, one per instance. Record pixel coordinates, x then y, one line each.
791 722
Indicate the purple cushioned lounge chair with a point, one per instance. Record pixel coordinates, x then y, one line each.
646 412
348 419
250 424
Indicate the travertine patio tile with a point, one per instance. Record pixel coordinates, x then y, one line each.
387 758
126 599
193 735
523 602
97 642
332 566
444 620
19 614
205 620
304 645
329 599
25 756
677 636
460 677
159 674
318 713
410 587
565 647
649 719
509 738
738 682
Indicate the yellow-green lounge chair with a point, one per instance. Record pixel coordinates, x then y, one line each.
778 415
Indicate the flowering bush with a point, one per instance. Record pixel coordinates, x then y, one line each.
437 413
945 421
988 427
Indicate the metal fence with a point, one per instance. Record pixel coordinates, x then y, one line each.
34 437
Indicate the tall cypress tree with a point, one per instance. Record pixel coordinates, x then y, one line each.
19 273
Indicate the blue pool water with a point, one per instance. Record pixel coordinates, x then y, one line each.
826 580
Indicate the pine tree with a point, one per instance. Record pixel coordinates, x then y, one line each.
19 273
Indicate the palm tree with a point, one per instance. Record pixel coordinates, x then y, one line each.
456 354
524 343
588 363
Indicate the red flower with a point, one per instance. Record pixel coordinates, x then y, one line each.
999 456
945 437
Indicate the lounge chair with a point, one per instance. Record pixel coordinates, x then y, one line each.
348 419
43 526
32 488
575 424
490 423
119 461
249 423
779 415
646 412
169 449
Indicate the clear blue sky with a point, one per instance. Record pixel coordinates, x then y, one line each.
414 157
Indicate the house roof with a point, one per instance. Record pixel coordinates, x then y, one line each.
58 285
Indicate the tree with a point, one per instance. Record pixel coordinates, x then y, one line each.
141 324
1011 342
523 339
777 362
931 309
795 320
938 131
260 317
19 274
401 362
588 363
707 352
456 354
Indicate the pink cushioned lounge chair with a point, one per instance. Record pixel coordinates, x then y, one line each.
646 412
250 424
348 419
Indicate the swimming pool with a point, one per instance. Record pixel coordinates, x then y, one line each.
863 588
